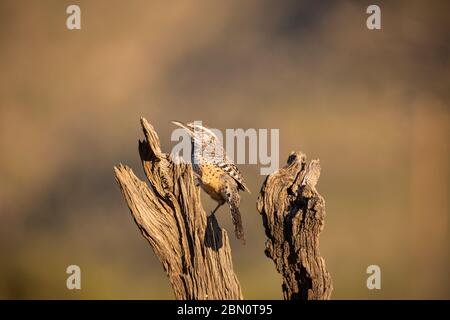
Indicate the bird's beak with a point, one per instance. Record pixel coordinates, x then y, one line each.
181 125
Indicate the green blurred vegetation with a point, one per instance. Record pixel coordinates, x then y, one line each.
372 105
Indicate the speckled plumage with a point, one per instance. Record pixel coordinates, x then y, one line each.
217 174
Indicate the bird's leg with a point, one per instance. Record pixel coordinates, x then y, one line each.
197 179
218 206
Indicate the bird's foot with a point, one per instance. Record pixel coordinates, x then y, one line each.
212 214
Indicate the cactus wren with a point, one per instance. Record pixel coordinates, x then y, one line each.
216 173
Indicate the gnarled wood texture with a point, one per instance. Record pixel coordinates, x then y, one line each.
193 249
293 216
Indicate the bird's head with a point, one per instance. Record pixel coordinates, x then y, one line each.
197 131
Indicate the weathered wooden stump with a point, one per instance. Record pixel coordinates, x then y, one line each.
293 215
193 249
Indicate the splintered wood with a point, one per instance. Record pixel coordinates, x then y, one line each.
192 248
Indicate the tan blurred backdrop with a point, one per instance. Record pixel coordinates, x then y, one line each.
372 105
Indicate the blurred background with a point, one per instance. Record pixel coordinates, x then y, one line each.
373 106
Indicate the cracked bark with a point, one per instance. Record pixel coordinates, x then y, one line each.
192 248
293 215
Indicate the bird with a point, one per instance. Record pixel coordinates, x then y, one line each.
216 174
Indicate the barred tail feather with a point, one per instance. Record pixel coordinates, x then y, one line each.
237 221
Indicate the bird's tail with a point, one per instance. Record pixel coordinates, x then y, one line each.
237 221
231 194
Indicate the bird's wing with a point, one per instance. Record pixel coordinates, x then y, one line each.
234 172
223 162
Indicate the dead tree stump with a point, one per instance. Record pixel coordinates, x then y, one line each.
193 249
195 252
293 216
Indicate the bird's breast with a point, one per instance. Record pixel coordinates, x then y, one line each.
211 182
